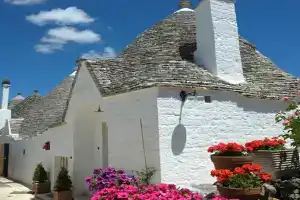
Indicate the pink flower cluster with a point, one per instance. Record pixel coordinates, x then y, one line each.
148 192
112 184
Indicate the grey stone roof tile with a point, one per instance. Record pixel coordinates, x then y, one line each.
15 125
49 111
20 109
13 103
155 58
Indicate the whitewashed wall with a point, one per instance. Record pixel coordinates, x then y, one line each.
86 127
183 143
124 113
21 167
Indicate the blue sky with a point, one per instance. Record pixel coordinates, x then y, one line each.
39 48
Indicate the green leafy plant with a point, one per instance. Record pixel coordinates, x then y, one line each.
40 174
248 176
145 175
290 119
63 181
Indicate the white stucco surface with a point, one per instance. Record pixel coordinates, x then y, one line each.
128 115
218 40
21 166
86 128
186 131
78 139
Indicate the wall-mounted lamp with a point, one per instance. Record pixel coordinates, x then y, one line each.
99 109
23 151
184 95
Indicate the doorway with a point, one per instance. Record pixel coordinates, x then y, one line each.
5 160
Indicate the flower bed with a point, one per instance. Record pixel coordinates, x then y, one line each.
112 184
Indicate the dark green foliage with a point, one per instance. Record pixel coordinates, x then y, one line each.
145 175
244 181
291 122
40 174
63 181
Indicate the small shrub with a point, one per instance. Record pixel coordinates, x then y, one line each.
145 175
40 174
63 181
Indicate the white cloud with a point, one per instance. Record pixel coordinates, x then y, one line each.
24 2
68 16
48 48
69 34
108 52
56 38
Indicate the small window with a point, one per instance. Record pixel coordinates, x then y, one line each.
187 52
207 99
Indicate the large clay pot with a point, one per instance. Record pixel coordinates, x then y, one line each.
278 163
41 188
230 162
62 195
242 194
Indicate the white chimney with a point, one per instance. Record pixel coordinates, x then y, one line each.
5 93
218 40
5 113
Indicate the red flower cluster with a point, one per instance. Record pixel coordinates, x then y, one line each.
247 169
266 144
222 174
227 149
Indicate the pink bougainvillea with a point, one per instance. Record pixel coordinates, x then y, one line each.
290 119
112 184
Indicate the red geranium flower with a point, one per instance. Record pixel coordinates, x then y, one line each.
226 149
274 143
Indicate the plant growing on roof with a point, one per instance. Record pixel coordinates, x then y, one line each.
290 119
40 174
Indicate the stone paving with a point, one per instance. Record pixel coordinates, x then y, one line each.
10 190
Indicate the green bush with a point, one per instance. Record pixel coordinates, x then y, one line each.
40 174
63 181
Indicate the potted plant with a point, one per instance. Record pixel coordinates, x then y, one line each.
229 156
63 186
241 183
274 158
41 183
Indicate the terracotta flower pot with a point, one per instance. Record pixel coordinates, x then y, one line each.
230 162
41 188
63 195
278 163
243 194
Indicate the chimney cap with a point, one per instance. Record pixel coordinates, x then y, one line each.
19 93
185 4
5 81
